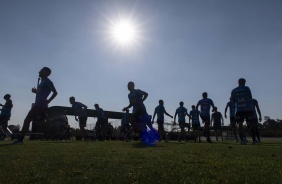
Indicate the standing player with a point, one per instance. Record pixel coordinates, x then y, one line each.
256 109
195 116
5 116
79 111
242 97
40 106
231 106
160 111
181 112
125 127
206 104
102 122
217 121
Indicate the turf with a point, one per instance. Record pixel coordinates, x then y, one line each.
122 162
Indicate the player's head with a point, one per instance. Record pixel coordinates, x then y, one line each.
96 106
45 72
193 107
130 85
7 96
181 103
205 94
242 82
72 100
215 109
161 102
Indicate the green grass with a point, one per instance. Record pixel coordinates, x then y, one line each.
121 162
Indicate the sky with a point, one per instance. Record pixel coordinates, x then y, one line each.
183 48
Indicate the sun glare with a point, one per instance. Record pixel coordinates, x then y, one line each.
124 32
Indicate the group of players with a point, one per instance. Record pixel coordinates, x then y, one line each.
242 107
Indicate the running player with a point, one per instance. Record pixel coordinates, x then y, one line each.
206 104
5 116
80 112
242 97
217 121
231 106
40 106
181 112
160 111
195 116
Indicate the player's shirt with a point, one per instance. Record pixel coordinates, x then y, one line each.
101 114
181 112
135 98
195 115
205 104
125 119
253 106
160 110
43 90
7 109
231 106
242 97
78 109
217 116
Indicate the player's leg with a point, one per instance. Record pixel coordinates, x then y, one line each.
234 127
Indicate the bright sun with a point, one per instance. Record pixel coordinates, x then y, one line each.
124 32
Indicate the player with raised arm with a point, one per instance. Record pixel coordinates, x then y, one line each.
181 112
216 122
231 106
160 111
205 104
195 117
242 97
80 116
39 108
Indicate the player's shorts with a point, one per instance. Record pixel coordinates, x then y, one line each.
217 126
205 119
138 112
181 124
232 120
242 115
160 124
36 113
4 122
196 126
82 122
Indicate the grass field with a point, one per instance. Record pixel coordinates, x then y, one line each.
122 162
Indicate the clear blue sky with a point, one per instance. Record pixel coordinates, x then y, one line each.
186 47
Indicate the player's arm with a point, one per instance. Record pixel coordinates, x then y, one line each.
225 110
190 118
212 119
54 92
188 115
145 95
167 114
258 110
174 117
154 116
222 120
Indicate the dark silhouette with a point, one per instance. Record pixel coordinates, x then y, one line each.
80 112
5 116
102 125
181 112
195 117
205 104
44 88
160 111
231 106
216 122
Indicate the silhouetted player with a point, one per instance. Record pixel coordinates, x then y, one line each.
231 106
40 106
102 122
217 121
80 116
136 98
206 104
256 109
160 111
5 116
242 97
125 127
181 112
195 117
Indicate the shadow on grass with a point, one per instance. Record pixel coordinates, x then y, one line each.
142 145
